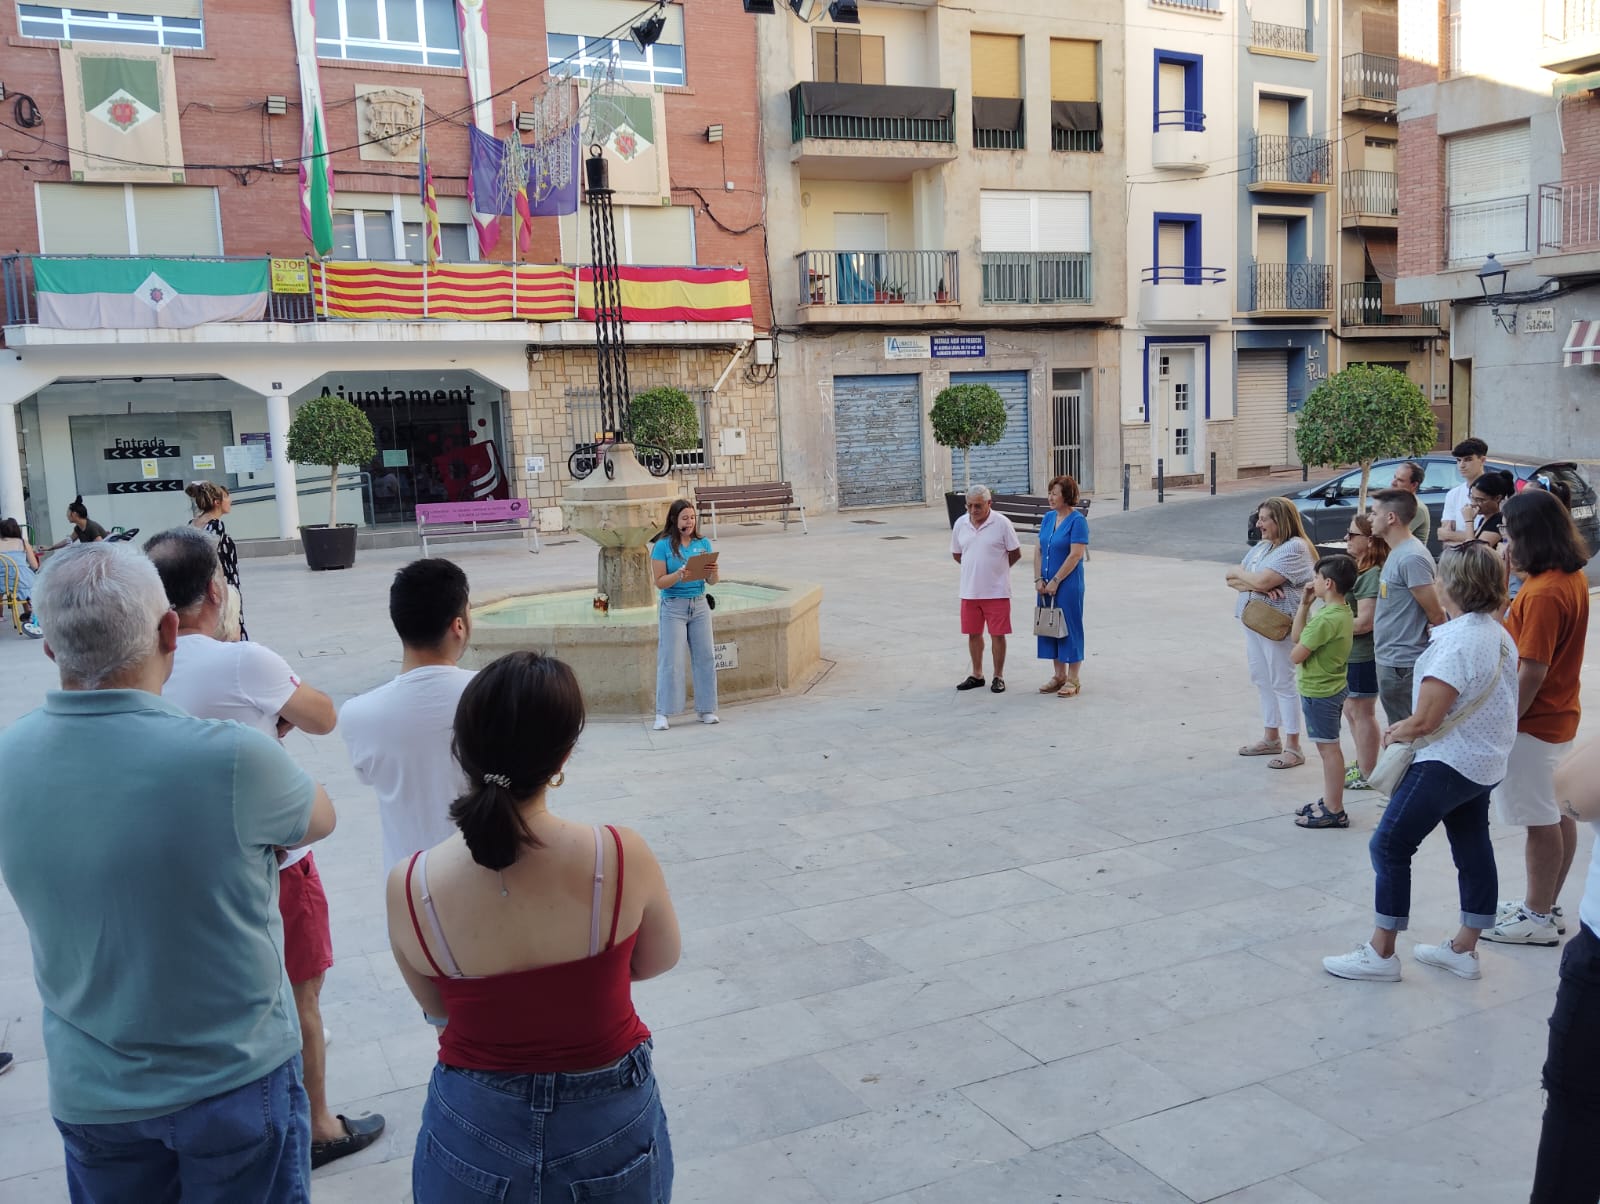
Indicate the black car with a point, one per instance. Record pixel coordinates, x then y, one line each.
1325 508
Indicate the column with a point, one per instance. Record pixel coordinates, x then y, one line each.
285 488
10 464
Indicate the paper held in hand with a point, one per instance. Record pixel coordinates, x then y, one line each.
699 564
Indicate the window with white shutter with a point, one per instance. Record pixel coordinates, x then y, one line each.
1487 185
1035 247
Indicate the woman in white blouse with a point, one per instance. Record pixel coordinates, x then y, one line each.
1464 702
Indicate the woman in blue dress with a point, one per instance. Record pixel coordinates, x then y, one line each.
1058 573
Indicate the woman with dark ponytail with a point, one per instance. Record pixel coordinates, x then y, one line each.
84 528
520 939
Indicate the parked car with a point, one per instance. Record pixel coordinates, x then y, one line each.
1325 507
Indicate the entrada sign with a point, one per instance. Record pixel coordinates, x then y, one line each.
142 449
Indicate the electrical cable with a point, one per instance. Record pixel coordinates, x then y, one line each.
26 112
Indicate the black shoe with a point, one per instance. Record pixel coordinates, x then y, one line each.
972 683
359 1134
6 1062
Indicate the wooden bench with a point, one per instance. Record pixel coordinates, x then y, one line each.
776 497
470 518
1027 510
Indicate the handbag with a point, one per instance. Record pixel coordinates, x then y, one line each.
1266 620
1050 621
1396 758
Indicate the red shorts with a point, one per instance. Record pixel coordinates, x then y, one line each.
307 940
995 612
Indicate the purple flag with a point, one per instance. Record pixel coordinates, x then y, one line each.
488 154
552 200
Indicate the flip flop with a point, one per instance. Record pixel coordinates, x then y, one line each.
1070 689
1261 748
997 686
972 683
1287 760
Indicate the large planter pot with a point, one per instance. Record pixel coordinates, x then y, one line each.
956 503
329 547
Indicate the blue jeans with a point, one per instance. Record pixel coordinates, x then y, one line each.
685 620
1431 793
1567 1171
599 1135
251 1145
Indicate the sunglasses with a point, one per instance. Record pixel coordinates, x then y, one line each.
1356 535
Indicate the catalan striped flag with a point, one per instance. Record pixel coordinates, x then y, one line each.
431 237
462 292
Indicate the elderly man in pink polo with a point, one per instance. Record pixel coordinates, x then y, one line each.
985 545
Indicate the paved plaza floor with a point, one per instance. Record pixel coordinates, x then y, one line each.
943 948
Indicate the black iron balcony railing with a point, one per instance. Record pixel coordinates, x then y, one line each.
1362 303
1183 274
16 277
1370 77
1036 277
1370 194
871 113
1290 159
1477 230
1193 120
1264 35
1075 140
879 277
1290 287
1569 216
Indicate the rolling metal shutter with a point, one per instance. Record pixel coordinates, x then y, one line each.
1261 422
1003 466
877 437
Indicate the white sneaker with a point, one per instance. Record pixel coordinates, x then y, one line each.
1444 955
32 629
660 724
709 717
1521 927
1363 965
1507 908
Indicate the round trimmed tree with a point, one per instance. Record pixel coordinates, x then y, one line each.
330 431
965 417
1361 414
665 417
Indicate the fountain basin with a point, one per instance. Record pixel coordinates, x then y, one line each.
766 632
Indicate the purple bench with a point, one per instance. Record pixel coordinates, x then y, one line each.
469 518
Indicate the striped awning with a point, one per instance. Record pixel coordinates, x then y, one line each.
1583 345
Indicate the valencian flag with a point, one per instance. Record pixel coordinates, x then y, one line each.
431 238
121 115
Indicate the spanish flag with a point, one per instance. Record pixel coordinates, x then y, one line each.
674 294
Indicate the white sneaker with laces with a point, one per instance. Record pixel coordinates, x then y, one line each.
660 725
1444 955
1522 927
1507 908
709 717
1363 965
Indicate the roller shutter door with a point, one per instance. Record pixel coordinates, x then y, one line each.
1002 466
1261 423
877 433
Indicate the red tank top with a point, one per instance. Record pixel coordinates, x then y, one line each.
571 1016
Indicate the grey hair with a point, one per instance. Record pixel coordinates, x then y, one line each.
99 605
980 491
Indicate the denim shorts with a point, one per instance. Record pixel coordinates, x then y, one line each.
1322 717
1361 679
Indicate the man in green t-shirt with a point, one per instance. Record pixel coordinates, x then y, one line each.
1321 652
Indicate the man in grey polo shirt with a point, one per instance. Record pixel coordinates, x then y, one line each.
1408 603
144 864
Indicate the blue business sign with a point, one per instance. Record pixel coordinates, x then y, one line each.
959 347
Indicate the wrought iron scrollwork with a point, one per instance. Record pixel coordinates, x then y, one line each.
586 457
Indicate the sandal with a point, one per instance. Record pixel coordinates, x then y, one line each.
1051 686
1318 816
1261 748
1288 759
997 686
1070 689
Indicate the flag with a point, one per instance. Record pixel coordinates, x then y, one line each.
121 115
524 219
550 199
431 237
483 188
89 294
316 169
673 294
464 292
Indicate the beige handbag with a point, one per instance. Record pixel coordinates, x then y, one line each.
1395 759
1050 620
1266 620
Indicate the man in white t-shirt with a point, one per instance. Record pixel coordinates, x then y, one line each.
399 734
253 685
1455 524
985 545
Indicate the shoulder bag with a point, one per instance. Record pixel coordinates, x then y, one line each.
1050 620
1266 620
1396 758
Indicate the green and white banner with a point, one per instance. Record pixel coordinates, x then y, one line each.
172 294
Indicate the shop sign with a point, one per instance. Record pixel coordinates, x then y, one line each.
727 655
115 487
142 449
291 276
907 347
960 346
1539 321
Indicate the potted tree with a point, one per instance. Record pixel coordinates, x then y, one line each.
666 417
330 431
1364 413
964 417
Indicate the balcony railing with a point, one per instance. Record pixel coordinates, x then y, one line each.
1183 273
1362 303
1450 56
1036 277
881 113
1290 287
1201 6
1264 35
1289 159
1370 194
1371 77
1568 19
1475 231
22 308
879 277
1075 140
1569 216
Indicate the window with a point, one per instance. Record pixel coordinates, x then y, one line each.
997 112
142 22
390 31
644 235
1179 98
588 35
191 432
1487 183
128 219
1074 95
378 227
1035 247
1177 248
846 57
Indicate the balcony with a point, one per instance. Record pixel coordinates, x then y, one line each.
1477 230
1370 199
1290 290
998 124
1180 141
1184 297
1291 40
1290 163
1569 227
1036 277
1211 7
1571 36
1370 84
871 131
886 286
1372 303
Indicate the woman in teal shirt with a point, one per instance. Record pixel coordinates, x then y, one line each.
685 617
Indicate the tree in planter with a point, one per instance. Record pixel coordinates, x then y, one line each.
1364 413
331 431
667 418
968 416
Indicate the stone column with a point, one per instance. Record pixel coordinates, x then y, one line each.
285 488
620 513
10 464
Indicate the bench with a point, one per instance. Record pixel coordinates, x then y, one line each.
470 518
1027 510
776 497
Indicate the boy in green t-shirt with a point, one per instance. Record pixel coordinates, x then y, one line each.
1321 653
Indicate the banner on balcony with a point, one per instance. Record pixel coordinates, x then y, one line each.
122 115
172 294
464 292
630 124
674 294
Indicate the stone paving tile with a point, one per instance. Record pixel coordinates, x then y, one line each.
771 1101
1085 1171
934 1058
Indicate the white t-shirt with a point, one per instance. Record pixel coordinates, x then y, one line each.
1455 506
1463 654
245 682
985 565
398 736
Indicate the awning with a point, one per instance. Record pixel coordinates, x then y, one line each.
1583 345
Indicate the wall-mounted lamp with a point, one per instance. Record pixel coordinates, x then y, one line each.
527 122
277 106
713 133
1492 280
764 7
844 12
647 31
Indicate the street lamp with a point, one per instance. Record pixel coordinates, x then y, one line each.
647 31
1492 280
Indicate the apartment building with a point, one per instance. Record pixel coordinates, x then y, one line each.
945 205
1500 212
161 300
